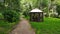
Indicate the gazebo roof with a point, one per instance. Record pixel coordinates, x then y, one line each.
36 10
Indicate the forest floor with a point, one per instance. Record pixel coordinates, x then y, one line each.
23 28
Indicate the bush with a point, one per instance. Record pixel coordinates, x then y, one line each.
58 9
54 15
1 16
11 15
26 13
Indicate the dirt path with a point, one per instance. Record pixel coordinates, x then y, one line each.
23 28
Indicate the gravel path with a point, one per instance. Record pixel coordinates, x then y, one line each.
23 28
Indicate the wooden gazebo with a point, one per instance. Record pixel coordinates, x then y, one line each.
36 15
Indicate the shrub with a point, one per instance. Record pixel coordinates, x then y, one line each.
1 16
11 15
58 9
26 13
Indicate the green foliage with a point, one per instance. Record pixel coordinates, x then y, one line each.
25 7
45 3
10 10
1 16
13 4
58 2
6 27
11 15
58 9
49 26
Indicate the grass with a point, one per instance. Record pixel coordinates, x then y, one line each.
5 27
49 26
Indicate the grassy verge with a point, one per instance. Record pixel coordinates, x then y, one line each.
49 26
5 27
